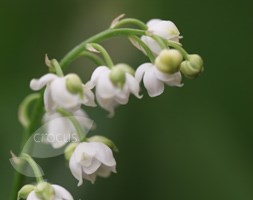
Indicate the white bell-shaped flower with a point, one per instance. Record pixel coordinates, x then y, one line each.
162 28
155 79
91 159
66 92
112 88
60 130
57 193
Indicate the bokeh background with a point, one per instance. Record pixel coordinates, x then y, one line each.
193 142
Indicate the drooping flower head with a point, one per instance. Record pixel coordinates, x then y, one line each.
162 28
44 191
60 130
91 159
114 86
66 92
165 70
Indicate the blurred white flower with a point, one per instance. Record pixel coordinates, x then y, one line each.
109 94
58 193
91 159
162 28
154 79
66 92
60 130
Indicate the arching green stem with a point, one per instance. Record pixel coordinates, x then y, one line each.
57 67
23 113
96 59
144 46
160 41
103 52
38 110
73 120
34 167
165 43
175 45
133 21
104 35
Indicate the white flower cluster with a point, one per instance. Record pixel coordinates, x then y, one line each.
113 85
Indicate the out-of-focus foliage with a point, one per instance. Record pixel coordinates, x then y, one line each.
193 142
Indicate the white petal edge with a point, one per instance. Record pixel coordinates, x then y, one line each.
89 97
95 75
37 84
141 71
49 103
62 96
170 79
152 44
133 85
76 170
104 154
93 167
62 193
154 86
32 196
105 87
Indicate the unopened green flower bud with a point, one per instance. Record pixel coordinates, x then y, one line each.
44 191
126 68
169 60
118 76
104 140
74 84
69 150
25 191
192 67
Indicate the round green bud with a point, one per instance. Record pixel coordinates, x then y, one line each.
69 150
25 191
44 191
104 140
169 60
192 67
118 76
126 68
74 84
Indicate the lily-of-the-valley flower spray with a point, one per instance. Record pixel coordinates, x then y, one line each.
62 98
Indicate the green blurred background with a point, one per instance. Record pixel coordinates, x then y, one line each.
193 142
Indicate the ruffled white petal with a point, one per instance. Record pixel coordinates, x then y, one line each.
107 104
153 85
104 154
104 87
49 103
170 79
141 70
90 177
91 159
76 169
89 97
123 100
93 167
153 22
59 130
84 153
37 84
105 171
95 75
165 29
133 85
62 97
32 196
152 44
83 119
61 193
